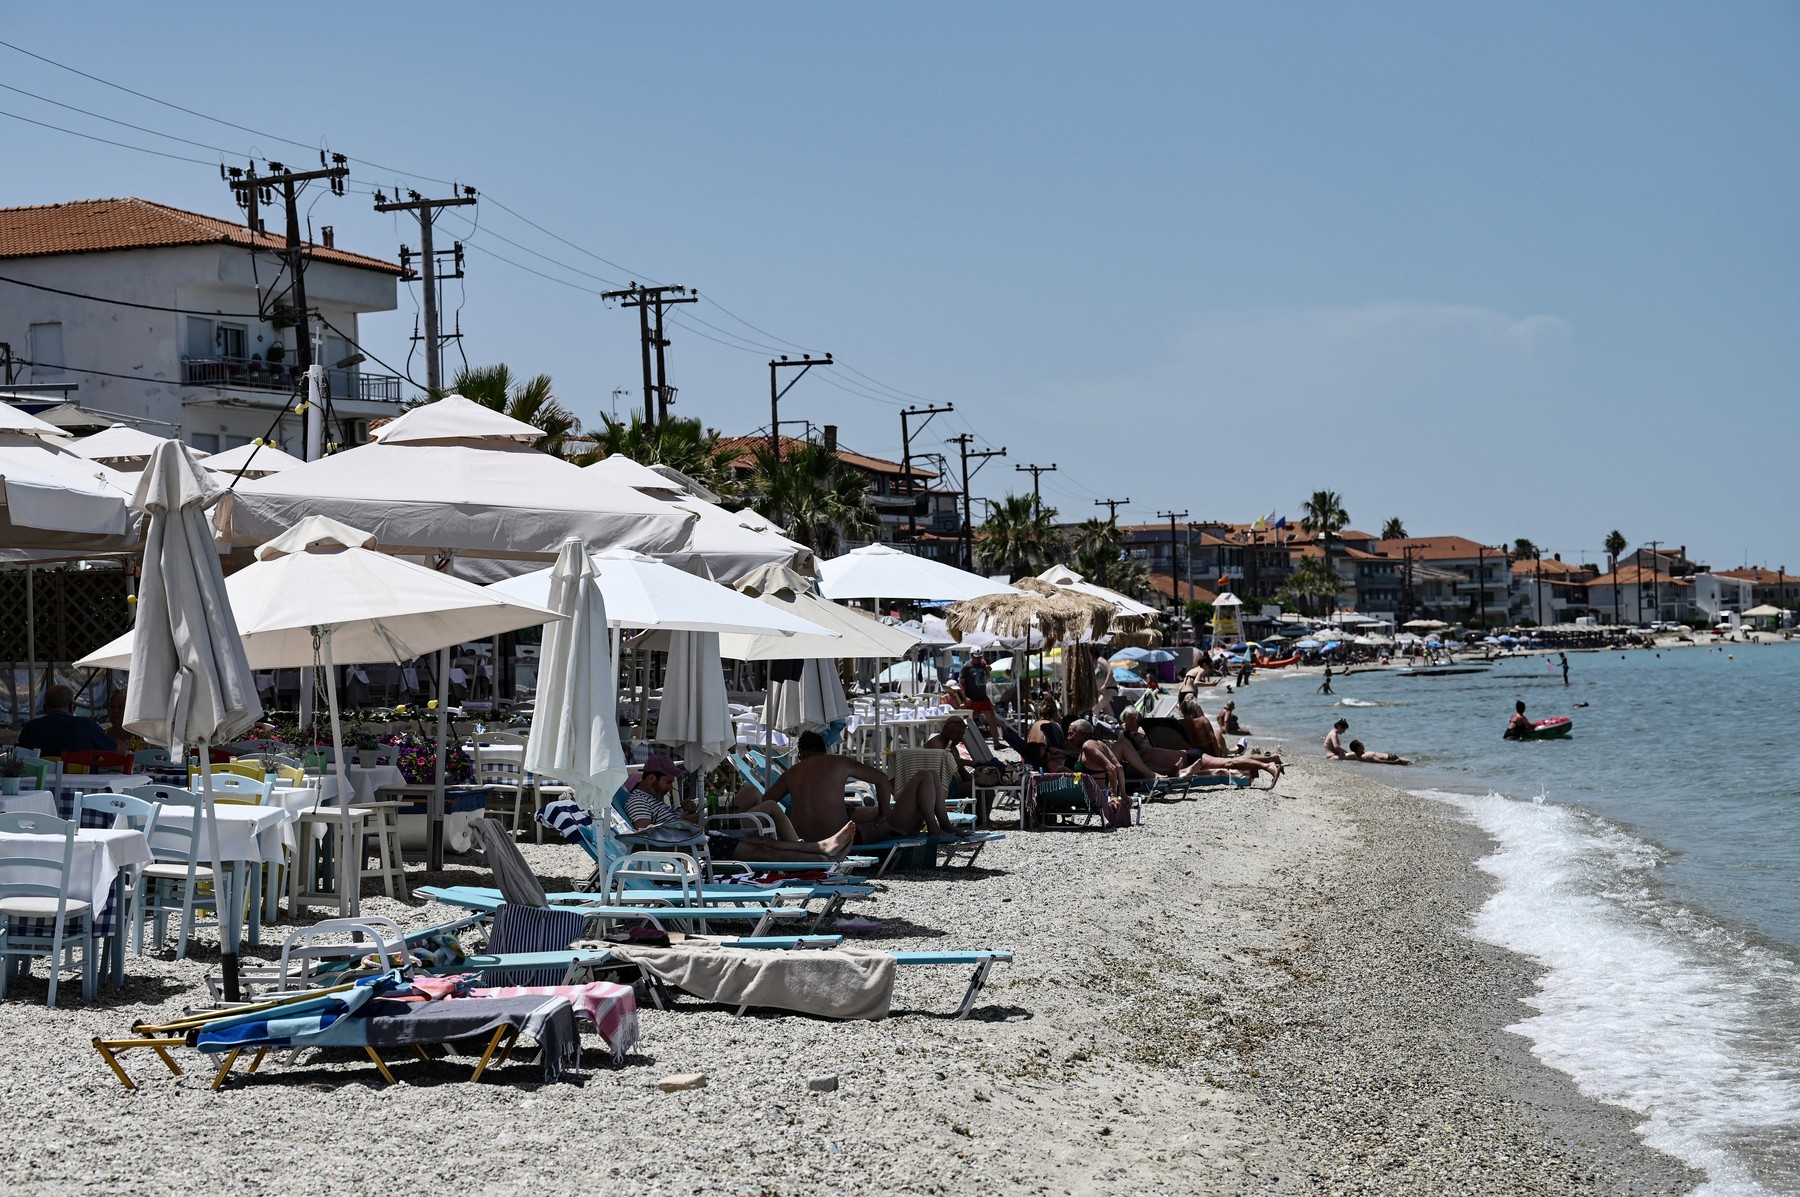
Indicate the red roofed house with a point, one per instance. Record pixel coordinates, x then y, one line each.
215 372
1482 594
1776 587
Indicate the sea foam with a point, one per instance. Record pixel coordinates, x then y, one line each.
1645 1004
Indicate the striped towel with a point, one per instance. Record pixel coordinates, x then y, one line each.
564 818
532 929
611 1008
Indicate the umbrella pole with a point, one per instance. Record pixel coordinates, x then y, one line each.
435 813
224 905
348 903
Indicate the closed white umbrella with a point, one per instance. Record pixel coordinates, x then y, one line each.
574 728
811 701
696 712
191 683
878 571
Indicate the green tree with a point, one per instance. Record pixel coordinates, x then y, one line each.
1615 548
1393 529
1323 515
1096 546
1311 585
532 400
680 443
1525 550
1019 539
815 496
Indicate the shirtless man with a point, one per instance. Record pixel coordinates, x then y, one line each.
648 806
1198 730
814 786
1359 753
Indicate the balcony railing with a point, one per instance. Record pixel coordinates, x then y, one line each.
252 374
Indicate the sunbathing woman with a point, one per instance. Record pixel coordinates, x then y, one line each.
1359 753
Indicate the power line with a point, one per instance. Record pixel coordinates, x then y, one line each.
127 303
126 124
124 145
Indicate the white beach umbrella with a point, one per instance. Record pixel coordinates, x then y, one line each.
1064 578
377 608
855 636
880 571
191 683
120 444
51 498
809 698
253 460
642 592
732 543
574 727
456 476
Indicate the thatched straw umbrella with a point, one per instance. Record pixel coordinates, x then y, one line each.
1060 615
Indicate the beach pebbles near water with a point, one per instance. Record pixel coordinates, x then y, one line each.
1249 994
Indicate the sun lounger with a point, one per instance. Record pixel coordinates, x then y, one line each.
591 908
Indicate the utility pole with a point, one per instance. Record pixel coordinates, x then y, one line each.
962 442
1406 593
776 391
253 190
1174 556
1037 502
1655 583
912 485
1112 508
657 395
428 274
1480 612
6 363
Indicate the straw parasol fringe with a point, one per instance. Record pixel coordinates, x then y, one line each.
1061 615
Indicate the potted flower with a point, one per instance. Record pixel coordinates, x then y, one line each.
12 773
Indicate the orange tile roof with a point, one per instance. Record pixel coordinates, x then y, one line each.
1166 586
1631 574
1548 568
1440 548
1756 575
95 226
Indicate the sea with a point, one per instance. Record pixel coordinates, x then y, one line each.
1650 863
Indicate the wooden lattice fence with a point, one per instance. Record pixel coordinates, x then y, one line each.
75 610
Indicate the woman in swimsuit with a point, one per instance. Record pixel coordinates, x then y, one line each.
1334 740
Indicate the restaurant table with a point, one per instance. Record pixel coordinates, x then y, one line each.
72 784
103 860
251 838
29 802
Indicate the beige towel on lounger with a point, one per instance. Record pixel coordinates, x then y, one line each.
834 984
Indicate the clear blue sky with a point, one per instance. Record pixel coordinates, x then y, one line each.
1509 270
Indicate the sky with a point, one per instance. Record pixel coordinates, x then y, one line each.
1523 270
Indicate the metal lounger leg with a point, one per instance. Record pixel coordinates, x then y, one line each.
975 984
493 1043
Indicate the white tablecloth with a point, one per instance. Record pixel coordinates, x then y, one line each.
99 856
29 802
87 783
253 833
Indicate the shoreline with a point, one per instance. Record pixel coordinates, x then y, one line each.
1251 993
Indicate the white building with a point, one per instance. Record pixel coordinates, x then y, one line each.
1717 594
214 370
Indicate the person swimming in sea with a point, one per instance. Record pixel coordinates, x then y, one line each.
1518 727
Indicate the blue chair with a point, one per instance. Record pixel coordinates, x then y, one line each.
39 916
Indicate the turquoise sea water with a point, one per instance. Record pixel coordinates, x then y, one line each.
1651 863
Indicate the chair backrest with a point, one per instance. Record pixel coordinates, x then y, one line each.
134 814
500 737
514 878
41 770
489 771
151 756
248 767
96 760
656 870
39 868
518 928
246 747
173 842
230 787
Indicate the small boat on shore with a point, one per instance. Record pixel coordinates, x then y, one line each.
1283 663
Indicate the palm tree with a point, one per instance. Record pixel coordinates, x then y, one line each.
680 443
1018 538
1615 548
1393 529
1323 516
818 499
1312 581
1096 546
533 401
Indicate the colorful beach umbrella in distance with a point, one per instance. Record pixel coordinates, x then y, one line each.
1122 674
1308 643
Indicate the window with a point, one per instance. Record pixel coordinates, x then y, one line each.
232 340
206 442
201 340
46 350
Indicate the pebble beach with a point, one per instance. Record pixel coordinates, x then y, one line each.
1251 992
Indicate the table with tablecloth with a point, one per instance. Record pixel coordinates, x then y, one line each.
73 784
102 861
251 839
29 802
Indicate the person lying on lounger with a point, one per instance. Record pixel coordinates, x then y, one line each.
648 806
1091 755
813 790
1359 753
